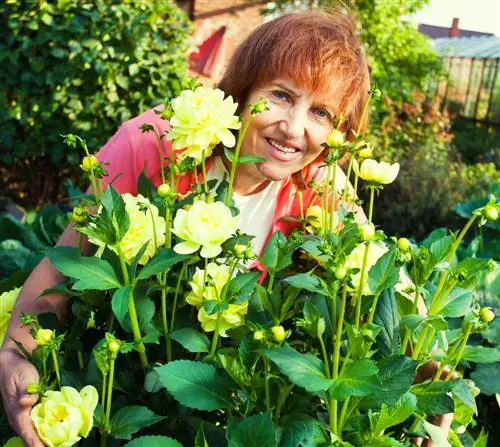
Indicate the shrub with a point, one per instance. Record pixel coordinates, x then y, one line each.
79 66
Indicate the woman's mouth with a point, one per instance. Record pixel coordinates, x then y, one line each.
282 151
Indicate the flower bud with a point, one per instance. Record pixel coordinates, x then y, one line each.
44 337
113 347
79 215
367 231
89 163
33 388
335 139
279 333
408 256
164 190
259 335
260 106
340 273
239 249
486 315
491 212
366 152
403 244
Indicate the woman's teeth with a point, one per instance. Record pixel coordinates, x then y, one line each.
281 148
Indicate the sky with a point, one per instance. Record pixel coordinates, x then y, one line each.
474 15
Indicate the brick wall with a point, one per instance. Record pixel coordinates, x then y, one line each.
239 16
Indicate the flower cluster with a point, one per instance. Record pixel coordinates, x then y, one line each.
146 225
202 119
205 225
63 417
217 277
7 301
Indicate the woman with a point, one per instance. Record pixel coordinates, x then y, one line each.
310 68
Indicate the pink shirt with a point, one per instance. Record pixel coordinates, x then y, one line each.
130 151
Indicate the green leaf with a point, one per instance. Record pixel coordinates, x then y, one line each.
253 431
487 378
195 385
463 391
307 281
439 249
164 260
384 274
384 441
229 154
119 305
92 273
386 316
153 441
248 159
456 304
357 379
482 440
113 208
395 414
304 370
438 434
242 286
480 354
433 398
191 339
129 420
397 374
301 430
271 252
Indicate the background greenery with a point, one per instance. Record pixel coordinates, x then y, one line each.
78 66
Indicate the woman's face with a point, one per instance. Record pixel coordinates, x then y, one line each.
289 135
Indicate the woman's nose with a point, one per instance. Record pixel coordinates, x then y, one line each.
294 122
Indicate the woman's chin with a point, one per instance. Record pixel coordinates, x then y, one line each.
274 173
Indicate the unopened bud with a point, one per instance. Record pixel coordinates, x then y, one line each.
113 347
340 273
486 315
259 335
44 337
366 152
491 212
164 190
88 163
279 333
367 231
239 249
403 244
79 215
335 139
33 388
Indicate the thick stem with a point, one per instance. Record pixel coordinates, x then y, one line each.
234 162
56 366
420 342
325 356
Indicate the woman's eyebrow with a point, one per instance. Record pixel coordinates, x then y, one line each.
286 87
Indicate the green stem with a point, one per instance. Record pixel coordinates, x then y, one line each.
141 349
430 337
420 342
110 394
204 172
79 357
325 198
325 356
168 346
344 417
56 366
266 385
359 293
333 202
348 174
177 290
234 162
103 397
215 338
370 210
460 352
155 242
374 306
407 336
160 155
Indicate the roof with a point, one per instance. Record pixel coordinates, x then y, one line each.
437 32
484 47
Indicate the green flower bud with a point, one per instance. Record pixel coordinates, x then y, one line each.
486 315
279 333
259 335
164 190
367 231
44 337
491 212
340 273
403 244
79 215
335 139
366 152
408 256
239 249
88 163
113 347
260 106
33 388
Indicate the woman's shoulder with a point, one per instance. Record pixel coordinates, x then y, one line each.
135 126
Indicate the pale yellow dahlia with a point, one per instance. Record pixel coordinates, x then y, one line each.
63 417
377 172
205 225
202 119
141 213
7 301
217 276
233 316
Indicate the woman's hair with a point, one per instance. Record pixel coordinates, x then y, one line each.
316 49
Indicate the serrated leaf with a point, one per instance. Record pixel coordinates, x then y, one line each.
164 260
195 385
113 208
487 378
307 281
463 392
304 370
253 431
481 354
153 441
92 273
456 304
395 414
270 257
300 430
357 379
129 420
433 398
242 286
440 248
191 339
386 316
383 274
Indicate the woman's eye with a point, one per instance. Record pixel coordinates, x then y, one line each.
279 94
323 114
